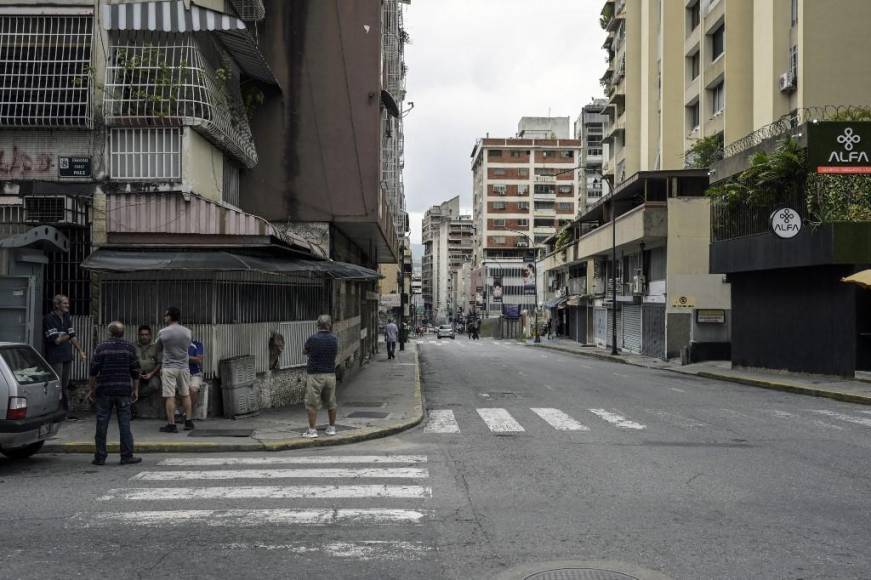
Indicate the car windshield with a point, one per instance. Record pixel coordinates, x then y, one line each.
26 365
445 327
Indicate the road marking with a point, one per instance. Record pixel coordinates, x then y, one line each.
500 421
548 387
302 460
847 418
247 518
441 421
559 420
676 419
790 416
617 420
676 390
363 551
269 492
622 375
327 473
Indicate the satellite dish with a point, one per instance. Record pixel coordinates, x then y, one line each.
389 103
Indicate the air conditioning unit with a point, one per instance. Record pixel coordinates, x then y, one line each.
637 285
788 82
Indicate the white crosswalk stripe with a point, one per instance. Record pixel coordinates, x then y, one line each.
616 420
500 421
441 421
846 418
559 420
400 502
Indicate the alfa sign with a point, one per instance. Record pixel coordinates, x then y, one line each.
840 147
785 223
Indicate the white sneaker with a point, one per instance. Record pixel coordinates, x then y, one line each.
310 434
331 430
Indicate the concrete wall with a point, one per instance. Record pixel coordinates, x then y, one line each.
202 166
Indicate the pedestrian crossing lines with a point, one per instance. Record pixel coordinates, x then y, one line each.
498 420
298 491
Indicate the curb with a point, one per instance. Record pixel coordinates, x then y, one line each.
785 387
356 436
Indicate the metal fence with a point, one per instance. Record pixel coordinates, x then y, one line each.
738 220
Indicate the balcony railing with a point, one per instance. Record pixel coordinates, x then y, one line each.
740 220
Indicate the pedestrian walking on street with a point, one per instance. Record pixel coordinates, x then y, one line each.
391 335
320 383
174 340
148 355
114 384
196 354
59 340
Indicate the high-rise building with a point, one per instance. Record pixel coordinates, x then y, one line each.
590 128
448 239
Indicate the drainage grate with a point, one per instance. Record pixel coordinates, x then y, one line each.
221 433
579 574
367 415
371 404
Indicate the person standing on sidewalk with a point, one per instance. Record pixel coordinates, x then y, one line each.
148 354
391 335
320 383
114 383
175 375
196 353
60 338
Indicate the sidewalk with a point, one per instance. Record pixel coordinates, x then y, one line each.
382 399
856 390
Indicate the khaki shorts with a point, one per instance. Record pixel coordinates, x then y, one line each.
175 382
196 382
320 388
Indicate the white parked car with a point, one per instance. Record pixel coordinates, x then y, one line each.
445 330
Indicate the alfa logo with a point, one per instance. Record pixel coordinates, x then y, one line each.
848 140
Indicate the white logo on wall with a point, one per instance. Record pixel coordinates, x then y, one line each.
785 223
849 139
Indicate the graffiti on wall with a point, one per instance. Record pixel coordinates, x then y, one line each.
17 163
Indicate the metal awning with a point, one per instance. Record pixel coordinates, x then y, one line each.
173 16
125 261
554 302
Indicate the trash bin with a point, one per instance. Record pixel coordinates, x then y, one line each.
237 386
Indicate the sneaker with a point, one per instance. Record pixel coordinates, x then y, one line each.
130 460
98 461
169 429
331 430
188 425
310 434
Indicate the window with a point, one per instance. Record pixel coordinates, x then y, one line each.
522 205
498 172
499 189
793 62
45 80
694 65
494 153
694 16
543 223
548 153
497 205
499 240
523 190
522 223
26 366
545 188
718 42
718 98
498 223
145 154
565 205
544 205
566 189
545 171
567 154
523 172
693 116
793 12
519 153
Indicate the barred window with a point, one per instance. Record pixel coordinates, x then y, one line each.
145 154
45 78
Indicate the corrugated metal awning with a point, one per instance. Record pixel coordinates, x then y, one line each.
126 261
174 17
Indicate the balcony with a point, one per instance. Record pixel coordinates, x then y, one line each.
618 127
646 223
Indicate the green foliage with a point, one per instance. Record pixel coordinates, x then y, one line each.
606 15
564 238
834 198
704 152
252 98
852 114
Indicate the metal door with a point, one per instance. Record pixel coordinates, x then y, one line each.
17 307
653 343
632 327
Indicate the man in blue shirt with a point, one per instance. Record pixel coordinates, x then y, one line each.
320 383
58 342
114 383
196 354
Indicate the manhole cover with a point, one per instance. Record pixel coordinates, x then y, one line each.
221 433
367 415
579 574
372 404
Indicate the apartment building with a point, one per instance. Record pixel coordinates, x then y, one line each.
590 128
170 158
448 239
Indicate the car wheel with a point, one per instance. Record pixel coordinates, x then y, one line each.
23 452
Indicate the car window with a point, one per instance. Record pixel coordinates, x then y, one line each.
27 366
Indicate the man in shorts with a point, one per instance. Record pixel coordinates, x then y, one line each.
175 376
320 384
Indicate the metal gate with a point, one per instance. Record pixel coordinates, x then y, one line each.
653 339
600 324
610 314
632 327
17 309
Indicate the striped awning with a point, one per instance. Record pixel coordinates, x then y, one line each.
173 16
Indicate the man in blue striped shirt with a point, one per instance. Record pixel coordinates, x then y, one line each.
114 383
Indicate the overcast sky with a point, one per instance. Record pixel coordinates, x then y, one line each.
477 66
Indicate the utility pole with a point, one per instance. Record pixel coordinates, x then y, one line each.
613 278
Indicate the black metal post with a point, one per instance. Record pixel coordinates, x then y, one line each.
613 278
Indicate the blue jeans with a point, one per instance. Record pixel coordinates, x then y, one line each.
391 349
104 413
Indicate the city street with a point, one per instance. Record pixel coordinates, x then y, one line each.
526 456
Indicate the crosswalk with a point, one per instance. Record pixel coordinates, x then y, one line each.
357 492
535 419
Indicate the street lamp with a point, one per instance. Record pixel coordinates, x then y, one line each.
535 280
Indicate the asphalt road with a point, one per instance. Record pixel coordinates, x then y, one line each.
528 456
